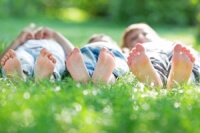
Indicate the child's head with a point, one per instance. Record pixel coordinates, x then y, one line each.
138 33
101 38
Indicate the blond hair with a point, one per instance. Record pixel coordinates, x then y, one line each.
132 28
101 38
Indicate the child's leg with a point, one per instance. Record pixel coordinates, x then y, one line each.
182 64
140 65
11 65
45 65
104 67
76 67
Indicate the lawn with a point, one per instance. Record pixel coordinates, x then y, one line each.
69 107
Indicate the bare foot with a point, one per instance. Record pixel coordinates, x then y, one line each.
140 65
104 67
182 65
76 66
12 65
45 65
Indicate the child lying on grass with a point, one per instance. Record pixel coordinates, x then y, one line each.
37 54
155 60
101 60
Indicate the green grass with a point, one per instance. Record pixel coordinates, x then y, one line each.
69 107
125 106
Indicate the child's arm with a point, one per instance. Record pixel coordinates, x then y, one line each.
47 33
21 39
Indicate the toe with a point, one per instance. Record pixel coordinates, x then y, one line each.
3 60
111 53
192 59
69 54
43 52
2 63
140 48
51 57
133 52
12 53
7 56
177 48
184 50
103 50
76 50
54 61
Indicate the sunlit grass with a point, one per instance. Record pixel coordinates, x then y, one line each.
73 14
126 106
187 39
186 35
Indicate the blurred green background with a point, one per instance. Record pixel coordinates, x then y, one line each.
78 19
182 12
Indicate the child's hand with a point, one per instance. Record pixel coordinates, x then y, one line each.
125 50
44 33
24 36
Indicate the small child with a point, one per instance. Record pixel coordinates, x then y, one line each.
137 33
101 59
37 54
158 61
